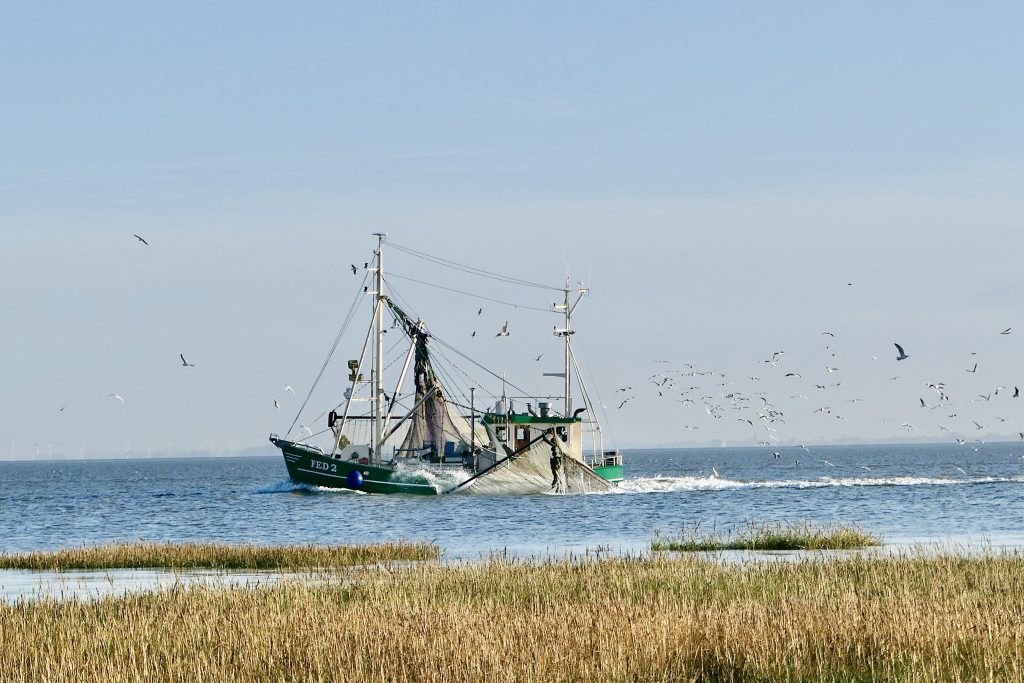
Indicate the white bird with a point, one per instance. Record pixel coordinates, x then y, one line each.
288 387
1006 331
504 330
118 397
308 430
977 426
960 469
276 404
902 356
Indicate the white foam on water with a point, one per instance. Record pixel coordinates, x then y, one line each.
290 486
662 484
440 479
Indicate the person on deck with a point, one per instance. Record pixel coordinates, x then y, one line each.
556 460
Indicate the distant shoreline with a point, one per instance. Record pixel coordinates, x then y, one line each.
260 452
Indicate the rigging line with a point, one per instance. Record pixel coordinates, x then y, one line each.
489 372
471 269
330 354
600 401
472 380
410 309
475 296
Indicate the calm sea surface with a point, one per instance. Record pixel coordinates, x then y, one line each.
907 493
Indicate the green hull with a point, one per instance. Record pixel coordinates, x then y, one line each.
310 466
612 473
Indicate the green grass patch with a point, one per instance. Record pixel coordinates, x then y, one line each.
769 536
218 556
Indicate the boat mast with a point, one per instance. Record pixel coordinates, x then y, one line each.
568 357
378 356
567 333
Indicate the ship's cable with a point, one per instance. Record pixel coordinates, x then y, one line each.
471 269
330 354
470 294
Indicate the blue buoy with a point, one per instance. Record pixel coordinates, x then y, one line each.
355 479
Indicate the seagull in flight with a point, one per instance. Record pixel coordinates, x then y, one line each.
185 363
903 355
118 397
504 330
1006 331
792 374
539 357
977 426
974 369
141 240
479 311
353 267
308 430
1016 392
288 387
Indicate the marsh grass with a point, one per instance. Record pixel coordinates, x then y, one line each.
217 556
910 617
769 536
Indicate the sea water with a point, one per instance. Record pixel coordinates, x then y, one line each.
943 496
935 493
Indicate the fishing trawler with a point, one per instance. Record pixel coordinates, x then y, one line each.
429 438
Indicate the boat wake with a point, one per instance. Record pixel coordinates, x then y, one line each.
660 484
289 486
441 479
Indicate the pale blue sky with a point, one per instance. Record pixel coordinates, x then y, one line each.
718 173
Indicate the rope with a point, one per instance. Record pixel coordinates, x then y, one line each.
475 296
330 354
471 270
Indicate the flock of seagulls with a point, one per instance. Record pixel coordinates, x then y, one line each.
715 392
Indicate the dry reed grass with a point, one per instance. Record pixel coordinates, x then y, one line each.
217 556
769 536
910 617
662 619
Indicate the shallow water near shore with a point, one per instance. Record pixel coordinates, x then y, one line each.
934 493
17 584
